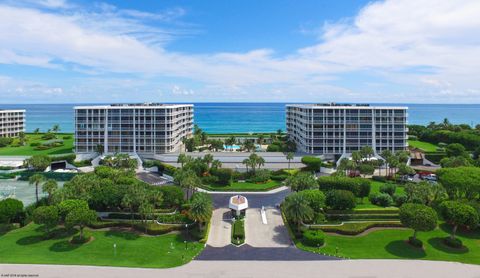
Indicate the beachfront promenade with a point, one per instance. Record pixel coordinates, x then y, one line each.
267 269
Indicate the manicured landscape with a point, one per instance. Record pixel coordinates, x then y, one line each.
25 245
35 139
244 186
425 146
391 244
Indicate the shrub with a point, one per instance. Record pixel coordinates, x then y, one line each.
172 196
238 232
260 176
10 210
356 228
381 199
388 188
399 200
319 218
5 141
70 158
315 198
379 178
224 175
313 238
34 144
274 148
313 163
67 137
357 186
453 242
48 136
340 199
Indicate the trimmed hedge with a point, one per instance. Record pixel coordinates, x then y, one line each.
238 232
352 229
24 176
313 238
357 186
152 229
365 211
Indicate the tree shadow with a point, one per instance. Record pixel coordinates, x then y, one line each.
402 249
470 234
63 246
62 232
437 243
28 240
128 235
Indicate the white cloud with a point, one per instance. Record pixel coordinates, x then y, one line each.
419 46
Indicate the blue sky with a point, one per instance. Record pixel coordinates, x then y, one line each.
410 51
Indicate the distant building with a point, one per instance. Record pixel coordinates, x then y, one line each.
12 122
148 128
334 129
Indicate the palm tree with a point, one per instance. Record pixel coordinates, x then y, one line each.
22 138
253 161
201 208
36 180
260 139
145 210
182 159
203 137
297 209
56 128
187 179
366 152
386 154
248 145
344 165
246 162
208 158
216 164
36 131
50 186
289 157
230 141
127 202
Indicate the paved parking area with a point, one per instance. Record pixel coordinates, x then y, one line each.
272 234
220 228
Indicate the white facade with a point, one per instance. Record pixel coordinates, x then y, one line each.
335 129
12 122
148 128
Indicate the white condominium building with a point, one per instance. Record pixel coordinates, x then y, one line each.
148 128
12 122
334 129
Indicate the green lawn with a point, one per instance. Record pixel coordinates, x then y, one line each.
244 186
390 244
36 138
425 146
25 245
375 189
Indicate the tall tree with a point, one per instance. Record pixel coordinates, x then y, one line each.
80 217
459 214
36 180
419 218
289 156
297 209
49 187
201 208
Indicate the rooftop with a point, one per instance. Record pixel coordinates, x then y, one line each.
334 105
133 105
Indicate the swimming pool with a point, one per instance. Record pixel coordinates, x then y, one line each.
231 147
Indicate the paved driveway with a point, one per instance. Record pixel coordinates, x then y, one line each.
220 228
273 233
255 200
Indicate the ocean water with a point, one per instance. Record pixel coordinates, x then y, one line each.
245 117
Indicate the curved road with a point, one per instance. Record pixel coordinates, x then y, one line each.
267 269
